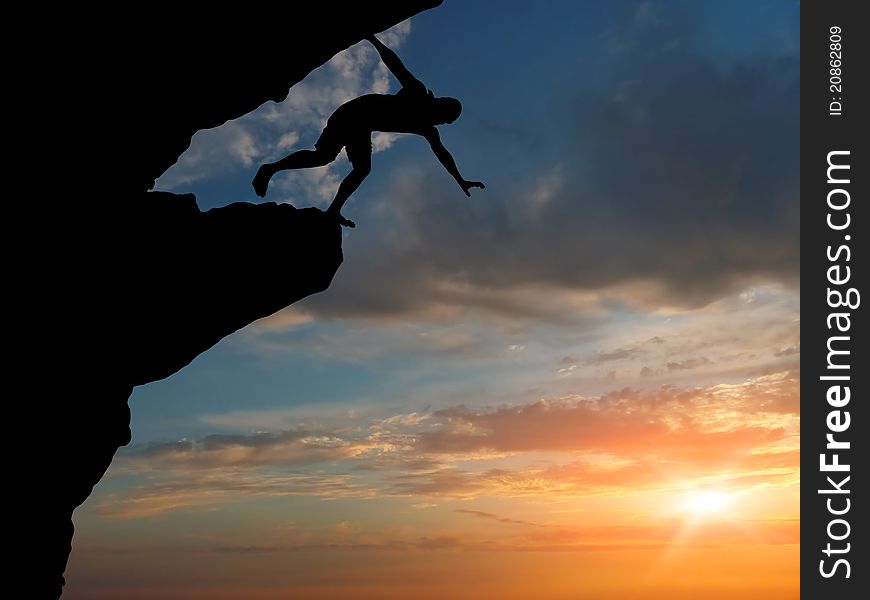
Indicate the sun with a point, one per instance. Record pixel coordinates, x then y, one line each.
707 503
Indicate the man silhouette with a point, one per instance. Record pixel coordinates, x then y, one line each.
413 109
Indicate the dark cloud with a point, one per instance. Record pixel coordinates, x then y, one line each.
255 440
672 171
689 363
625 352
157 449
217 451
219 441
618 354
488 515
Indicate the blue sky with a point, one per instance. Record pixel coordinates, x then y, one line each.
638 235
520 73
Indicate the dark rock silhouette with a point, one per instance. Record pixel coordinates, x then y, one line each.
242 262
115 286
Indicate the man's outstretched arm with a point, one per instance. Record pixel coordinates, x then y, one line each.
393 63
446 159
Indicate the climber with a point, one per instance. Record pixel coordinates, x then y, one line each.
413 109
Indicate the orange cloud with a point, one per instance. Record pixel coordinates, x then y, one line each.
671 424
743 435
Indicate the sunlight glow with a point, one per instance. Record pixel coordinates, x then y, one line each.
707 502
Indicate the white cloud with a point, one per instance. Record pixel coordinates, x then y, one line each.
211 151
288 140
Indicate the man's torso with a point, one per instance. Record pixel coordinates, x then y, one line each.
408 111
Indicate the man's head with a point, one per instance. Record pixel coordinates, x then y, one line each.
446 110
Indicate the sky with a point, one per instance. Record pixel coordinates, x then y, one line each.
581 381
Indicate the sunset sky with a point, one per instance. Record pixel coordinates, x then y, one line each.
581 382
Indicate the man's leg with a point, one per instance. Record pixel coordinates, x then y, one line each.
348 186
359 153
303 159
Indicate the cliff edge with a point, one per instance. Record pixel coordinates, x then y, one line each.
115 286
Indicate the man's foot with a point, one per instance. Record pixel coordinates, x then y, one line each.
341 220
346 222
261 180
